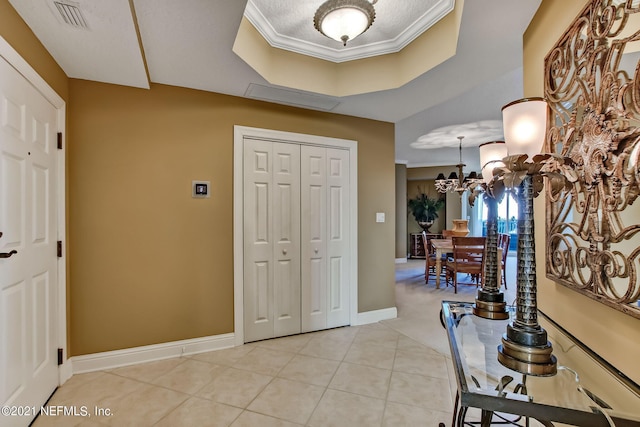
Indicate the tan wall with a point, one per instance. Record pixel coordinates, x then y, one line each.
401 211
149 263
613 335
453 208
413 189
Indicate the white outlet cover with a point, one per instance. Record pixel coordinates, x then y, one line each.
379 216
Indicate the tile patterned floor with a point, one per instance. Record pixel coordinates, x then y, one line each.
392 373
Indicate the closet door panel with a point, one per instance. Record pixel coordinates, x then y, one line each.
286 232
313 239
258 241
296 238
337 237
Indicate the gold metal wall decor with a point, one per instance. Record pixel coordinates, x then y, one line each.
592 85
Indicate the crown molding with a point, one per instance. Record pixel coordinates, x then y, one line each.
344 54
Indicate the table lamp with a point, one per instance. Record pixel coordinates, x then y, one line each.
525 347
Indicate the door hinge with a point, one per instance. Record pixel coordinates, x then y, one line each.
60 357
59 140
59 248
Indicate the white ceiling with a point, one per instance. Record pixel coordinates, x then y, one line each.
188 43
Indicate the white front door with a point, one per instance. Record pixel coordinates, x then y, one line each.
28 222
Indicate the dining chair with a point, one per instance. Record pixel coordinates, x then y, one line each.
430 257
503 243
468 257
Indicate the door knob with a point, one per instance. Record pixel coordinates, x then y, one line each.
7 254
316 250
284 252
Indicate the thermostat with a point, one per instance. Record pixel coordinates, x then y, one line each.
200 189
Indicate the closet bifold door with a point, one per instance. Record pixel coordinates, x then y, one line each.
271 239
325 188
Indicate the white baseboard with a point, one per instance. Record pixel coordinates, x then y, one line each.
148 353
377 315
401 260
65 371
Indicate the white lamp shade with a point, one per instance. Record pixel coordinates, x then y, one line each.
525 125
344 22
491 155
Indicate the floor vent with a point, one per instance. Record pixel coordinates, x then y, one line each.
70 14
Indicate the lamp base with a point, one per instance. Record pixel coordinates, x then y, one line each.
490 305
527 351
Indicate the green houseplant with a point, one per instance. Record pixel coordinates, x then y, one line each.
425 209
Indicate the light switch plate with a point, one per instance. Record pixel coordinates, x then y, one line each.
379 216
200 189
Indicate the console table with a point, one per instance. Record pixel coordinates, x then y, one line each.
584 388
416 245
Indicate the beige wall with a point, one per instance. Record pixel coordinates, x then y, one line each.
149 263
613 335
413 189
453 209
401 211
146 262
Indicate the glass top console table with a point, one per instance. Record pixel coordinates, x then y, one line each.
581 393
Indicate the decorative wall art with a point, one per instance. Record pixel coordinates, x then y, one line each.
592 85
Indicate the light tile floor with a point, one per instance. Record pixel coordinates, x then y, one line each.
393 373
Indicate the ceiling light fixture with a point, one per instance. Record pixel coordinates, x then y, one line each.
344 20
457 181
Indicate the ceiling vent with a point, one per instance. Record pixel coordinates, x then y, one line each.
70 14
291 97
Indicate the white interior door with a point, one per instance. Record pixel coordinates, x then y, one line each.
28 221
320 246
314 241
325 237
271 239
286 233
338 237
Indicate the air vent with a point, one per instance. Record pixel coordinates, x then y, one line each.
70 14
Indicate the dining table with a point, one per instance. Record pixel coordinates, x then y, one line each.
445 246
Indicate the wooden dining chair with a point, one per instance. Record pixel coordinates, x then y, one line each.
430 257
503 243
468 257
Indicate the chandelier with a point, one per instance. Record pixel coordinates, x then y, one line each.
344 20
457 182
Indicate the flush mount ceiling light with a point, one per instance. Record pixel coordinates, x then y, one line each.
344 20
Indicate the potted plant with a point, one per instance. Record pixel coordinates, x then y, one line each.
425 209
